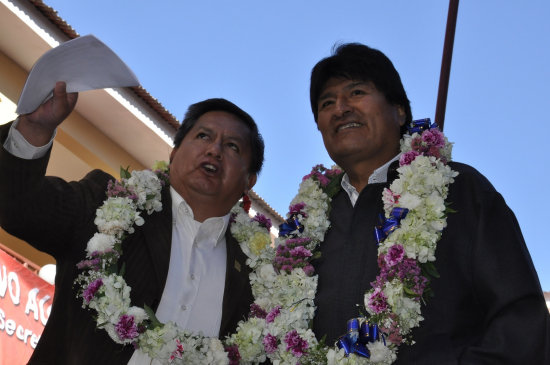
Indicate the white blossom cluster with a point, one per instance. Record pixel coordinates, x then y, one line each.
109 295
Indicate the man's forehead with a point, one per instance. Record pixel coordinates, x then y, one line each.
343 83
219 119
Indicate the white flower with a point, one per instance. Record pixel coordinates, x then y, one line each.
147 186
380 353
100 242
116 216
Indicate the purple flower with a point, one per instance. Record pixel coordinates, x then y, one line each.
126 327
300 251
416 144
395 255
270 343
378 301
233 354
263 220
297 209
407 158
273 314
308 270
295 344
257 311
434 151
433 137
90 291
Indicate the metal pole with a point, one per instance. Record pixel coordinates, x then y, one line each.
446 64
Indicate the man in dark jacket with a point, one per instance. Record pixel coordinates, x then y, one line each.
183 262
488 306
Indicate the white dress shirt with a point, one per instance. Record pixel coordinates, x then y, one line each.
380 175
193 294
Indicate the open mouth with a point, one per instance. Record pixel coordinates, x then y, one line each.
209 168
348 126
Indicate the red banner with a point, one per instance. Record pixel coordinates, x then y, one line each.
25 305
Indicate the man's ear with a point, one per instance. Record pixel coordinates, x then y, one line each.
251 181
172 154
401 114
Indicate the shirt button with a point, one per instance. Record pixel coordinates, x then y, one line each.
183 307
192 276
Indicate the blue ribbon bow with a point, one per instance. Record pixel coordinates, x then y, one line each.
359 334
387 226
290 225
420 125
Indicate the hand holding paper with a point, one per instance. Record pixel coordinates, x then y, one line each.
38 127
83 63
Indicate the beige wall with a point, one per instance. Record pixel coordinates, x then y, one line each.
78 148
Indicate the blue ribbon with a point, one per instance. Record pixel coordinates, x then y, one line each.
359 334
420 125
387 226
290 225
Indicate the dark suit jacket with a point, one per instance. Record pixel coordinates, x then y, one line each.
488 306
57 217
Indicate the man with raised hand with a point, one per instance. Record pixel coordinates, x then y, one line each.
182 262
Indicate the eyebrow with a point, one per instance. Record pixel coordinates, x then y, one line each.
231 137
349 86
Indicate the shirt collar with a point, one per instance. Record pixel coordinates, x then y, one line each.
213 227
380 175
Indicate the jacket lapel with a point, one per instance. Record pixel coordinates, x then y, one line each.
158 239
235 305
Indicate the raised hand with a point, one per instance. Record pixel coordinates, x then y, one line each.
38 127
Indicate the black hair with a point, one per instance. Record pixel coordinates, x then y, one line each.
355 61
195 111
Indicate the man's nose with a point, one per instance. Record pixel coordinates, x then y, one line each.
214 149
343 106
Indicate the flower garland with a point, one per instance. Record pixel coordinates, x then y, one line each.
282 278
284 284
104 290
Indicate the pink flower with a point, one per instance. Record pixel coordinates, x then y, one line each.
395 255
295 344
126 328
273 314
378 301
178 352
90 291
407 158
270 343
389 198
393 330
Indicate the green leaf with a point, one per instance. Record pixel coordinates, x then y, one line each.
409 291
154 320
430 269
124 173
333 187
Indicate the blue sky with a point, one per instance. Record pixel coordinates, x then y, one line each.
259 54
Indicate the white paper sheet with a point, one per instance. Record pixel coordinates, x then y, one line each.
84 63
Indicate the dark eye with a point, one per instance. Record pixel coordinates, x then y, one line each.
202 135
325 103
233 146
358 92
